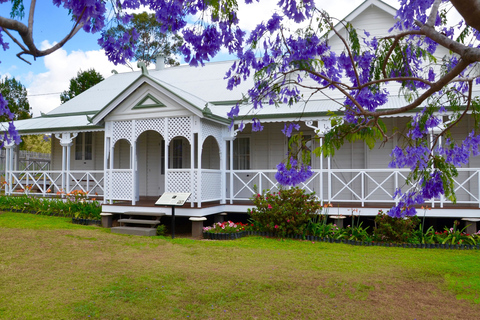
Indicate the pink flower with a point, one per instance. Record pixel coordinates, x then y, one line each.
276 226
288 220
269 206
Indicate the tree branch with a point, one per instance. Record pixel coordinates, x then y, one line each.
467 53
26 33
433 14
469 101
469 10
437 86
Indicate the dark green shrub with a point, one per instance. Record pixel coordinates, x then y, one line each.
285 212
161 230
388 229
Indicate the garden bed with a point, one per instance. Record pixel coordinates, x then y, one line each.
87 222
238 235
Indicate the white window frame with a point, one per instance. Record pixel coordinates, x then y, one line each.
246 158
82 136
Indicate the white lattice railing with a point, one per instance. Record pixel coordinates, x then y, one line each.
120 184
360 186
211 185
53 182
183 180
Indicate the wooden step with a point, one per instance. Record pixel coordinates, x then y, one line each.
139 221
136 231
149 214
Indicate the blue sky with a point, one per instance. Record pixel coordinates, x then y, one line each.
48 76
44 29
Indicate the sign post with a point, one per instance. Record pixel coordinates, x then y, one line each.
173 199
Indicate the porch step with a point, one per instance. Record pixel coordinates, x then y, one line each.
139 213
136 231
140 221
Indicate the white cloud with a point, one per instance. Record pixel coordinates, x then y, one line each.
5 75
44 89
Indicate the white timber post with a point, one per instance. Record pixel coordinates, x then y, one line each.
199 168
223 166
231 138
321 167
110 176
133 163
9 166
66 141
323 125
230 141
167 157
106 159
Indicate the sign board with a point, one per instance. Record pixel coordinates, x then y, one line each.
173 199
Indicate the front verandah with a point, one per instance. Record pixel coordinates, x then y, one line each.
353 188
183 154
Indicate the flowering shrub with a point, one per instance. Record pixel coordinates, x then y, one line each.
226 227
285 212
455 236
395 229
70 207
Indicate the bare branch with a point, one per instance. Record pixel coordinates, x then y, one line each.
346 46
467 53
396 38
26 33
31 14
469 101
437 86
15 40
433 13
469 10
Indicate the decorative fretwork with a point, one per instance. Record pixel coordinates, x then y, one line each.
180 127
122 130
212 129
157 125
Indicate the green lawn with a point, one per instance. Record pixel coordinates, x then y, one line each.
51 269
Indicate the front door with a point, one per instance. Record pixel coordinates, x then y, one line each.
150 172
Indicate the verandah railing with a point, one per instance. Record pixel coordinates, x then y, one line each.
55 182
354 186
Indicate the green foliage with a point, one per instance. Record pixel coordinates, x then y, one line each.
18 9
16 95
341 131
83 81
71 206
152 42
390 229
161 230
285 212
36 143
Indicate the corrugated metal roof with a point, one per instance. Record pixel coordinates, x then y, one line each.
54 124
94 99
196 86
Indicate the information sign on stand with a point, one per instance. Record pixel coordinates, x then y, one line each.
173 199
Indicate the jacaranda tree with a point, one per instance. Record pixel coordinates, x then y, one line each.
285 63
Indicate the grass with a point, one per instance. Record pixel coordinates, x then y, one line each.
51 269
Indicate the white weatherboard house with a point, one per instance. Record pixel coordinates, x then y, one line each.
136 135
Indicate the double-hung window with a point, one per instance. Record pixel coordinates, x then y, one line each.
84 146
241 154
